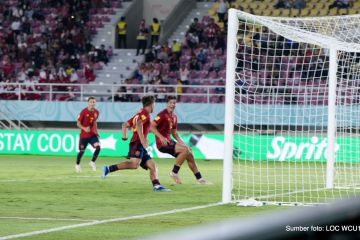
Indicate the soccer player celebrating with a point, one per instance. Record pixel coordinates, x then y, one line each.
138 156
165 124
89 134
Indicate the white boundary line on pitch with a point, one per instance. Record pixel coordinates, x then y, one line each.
52 178
51 219
57 229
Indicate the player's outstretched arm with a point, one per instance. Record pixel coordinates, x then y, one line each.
124 129
153 128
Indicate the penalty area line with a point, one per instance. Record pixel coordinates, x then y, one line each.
92 223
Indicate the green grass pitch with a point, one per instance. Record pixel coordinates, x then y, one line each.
43 192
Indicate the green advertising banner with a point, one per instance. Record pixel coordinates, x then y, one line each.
204 146
65 143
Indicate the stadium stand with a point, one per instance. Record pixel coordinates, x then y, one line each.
45 42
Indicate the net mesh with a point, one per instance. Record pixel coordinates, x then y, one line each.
281 108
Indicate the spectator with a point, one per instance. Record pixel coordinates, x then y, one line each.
196 27
102 54
192 39
202 56
89 73
340 4
155 31
184 75
299 4
176 48
194 64
221 11
121 27
283 4
142 38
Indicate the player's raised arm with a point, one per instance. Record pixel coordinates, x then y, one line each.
153 128
124 128
139 129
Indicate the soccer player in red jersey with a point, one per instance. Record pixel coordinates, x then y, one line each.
138 156
164 125
89 133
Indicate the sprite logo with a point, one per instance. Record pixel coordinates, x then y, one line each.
283 149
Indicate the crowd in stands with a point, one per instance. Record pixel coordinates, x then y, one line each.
199 60
45 41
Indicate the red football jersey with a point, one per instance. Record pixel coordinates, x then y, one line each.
166 122
88 119
145 117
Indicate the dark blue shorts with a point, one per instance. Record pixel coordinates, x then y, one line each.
83 142
136 150
169 148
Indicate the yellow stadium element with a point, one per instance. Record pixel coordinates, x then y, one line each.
258 12
276 12
285 12
304 12
356 4
262 6
245 6
267 12
324 12
253 6
294 12
342 11
333 12
353 11
314 12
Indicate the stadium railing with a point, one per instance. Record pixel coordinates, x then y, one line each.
109 92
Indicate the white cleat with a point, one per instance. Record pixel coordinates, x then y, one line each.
92 165
175 177
77 168
202 181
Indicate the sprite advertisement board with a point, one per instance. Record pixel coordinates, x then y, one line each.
204 146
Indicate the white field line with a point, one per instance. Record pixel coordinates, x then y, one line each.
57 229
51 219
52 178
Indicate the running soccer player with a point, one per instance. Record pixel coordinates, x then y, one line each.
138 156
89 134
164 125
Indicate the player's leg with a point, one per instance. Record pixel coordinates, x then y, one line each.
135 154
153 170
193 166
96 144
180 152
83 142
132 163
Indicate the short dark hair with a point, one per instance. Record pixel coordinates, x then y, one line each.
90 98
169 98
148 100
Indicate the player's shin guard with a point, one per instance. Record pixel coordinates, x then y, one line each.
79 156
96 153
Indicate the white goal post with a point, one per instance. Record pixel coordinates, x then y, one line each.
292 113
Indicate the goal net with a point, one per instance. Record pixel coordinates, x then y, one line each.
292 109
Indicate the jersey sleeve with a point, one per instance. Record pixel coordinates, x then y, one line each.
158 119
144 118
